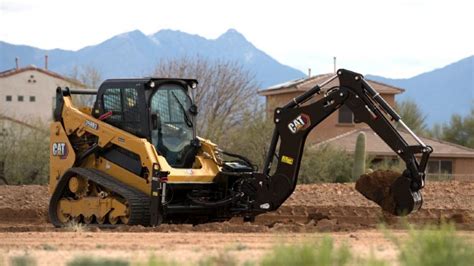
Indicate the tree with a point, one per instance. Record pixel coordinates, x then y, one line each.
412 115
91 78
252 137
88 75
459 130
225 94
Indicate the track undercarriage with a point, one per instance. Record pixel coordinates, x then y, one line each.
92 197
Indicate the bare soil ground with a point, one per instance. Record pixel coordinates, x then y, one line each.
337 209
59 248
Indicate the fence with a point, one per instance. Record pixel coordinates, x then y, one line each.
443 177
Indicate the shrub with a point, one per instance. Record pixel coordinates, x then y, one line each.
222 259
323 253
325 164
396 165
435 246
252 138
154 261
85 261
24 260
24 151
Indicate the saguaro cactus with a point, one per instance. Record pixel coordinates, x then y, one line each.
359 157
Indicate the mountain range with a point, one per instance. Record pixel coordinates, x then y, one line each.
136 54
439 93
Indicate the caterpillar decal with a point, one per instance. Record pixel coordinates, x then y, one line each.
302 122
59 149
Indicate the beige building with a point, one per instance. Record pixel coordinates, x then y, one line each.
447 161
28 93
339 129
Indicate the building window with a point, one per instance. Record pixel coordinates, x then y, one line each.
440 167
32 98
345 115
8 98
20 98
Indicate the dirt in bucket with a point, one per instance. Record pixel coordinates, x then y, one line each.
376 187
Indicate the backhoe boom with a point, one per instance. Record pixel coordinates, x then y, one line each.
293 122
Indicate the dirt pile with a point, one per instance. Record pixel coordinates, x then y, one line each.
376 187
311 208
25 203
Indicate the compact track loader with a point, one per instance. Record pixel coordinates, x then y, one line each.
134 157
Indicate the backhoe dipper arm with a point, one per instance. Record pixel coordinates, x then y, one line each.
294 122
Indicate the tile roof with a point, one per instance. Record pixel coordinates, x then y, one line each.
14 71
305 84
376 146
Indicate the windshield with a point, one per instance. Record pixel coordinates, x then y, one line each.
174 128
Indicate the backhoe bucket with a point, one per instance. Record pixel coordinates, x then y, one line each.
391 191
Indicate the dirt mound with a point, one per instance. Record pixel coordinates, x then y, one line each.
311 208
376 187
25 203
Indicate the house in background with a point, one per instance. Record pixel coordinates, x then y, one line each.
28 93
448 160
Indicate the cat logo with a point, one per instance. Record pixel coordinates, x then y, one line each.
60 149
302 122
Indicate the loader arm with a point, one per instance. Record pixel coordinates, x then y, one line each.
293 123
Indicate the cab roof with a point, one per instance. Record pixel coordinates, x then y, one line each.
145 80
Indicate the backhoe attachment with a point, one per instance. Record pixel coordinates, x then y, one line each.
399 195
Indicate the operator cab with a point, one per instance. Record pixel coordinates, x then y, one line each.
160 110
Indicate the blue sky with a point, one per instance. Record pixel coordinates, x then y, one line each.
396 39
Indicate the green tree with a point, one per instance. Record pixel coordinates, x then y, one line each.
412 115
252 138
325 163
459 130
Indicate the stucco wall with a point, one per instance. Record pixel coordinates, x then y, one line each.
464 166
41 86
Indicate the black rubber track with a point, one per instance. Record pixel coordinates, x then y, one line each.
138 202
